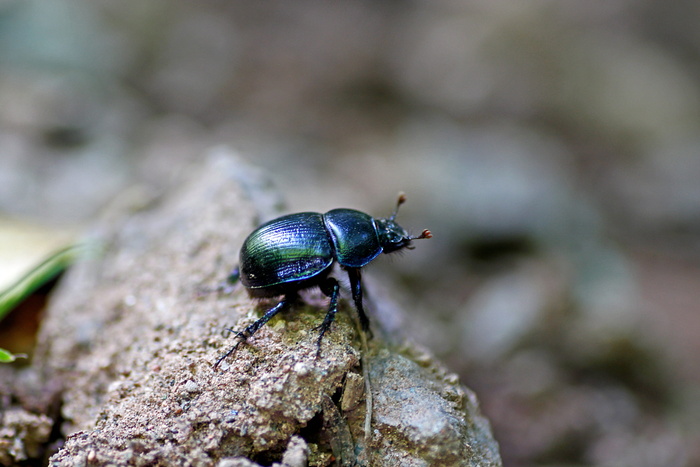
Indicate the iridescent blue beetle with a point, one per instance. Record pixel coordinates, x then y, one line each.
297 251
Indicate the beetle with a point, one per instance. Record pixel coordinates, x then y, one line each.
298 251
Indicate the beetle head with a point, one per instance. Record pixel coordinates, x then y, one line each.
392 236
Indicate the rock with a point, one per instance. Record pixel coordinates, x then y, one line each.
22 435
135 333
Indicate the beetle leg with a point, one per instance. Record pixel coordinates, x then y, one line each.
356 286
234 275
228 286
242 336
330 288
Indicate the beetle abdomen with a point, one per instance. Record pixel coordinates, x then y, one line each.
288 249
354 236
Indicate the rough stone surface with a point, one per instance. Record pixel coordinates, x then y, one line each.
22 435
424 407
134 334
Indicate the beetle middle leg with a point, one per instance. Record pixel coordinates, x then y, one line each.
330 288
242 336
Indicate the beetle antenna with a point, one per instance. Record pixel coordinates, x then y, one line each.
399 202
424 234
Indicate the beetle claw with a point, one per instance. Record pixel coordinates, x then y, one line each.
227 354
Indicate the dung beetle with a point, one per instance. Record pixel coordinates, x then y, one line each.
297 252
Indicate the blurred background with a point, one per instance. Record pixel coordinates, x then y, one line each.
552 148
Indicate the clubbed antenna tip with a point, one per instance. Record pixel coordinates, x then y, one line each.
399 202
425 234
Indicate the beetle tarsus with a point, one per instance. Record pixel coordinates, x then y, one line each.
224 356
244 335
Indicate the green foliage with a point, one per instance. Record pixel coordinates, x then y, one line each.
8 357
40 275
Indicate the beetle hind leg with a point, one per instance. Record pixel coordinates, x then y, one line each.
243 335
330 288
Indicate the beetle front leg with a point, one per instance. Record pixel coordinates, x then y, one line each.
356 287
242 336
330 288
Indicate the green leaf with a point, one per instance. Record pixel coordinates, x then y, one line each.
40 275
8 357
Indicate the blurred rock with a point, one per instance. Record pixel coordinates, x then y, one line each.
65 124
22 436
506 310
